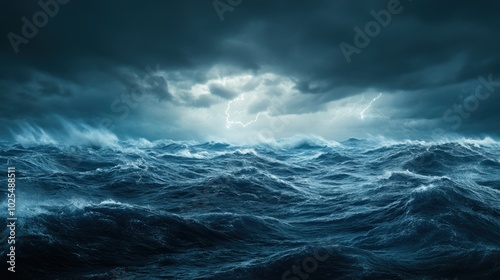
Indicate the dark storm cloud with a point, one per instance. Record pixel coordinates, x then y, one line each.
87 54
52 88
221 91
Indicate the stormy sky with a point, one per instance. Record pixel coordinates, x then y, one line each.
239 70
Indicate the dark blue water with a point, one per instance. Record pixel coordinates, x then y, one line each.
296 209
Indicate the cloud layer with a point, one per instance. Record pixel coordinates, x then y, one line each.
161 69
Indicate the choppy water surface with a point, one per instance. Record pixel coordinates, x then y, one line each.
297 209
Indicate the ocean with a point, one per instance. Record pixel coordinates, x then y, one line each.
297 208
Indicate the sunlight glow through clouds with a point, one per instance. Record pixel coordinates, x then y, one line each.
240 105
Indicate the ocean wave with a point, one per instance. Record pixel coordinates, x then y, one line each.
207 210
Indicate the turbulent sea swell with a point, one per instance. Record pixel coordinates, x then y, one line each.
297 209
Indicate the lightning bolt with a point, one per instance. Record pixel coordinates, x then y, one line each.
359 107
362 113
350 107
229 122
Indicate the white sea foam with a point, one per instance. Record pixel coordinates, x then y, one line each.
71 134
